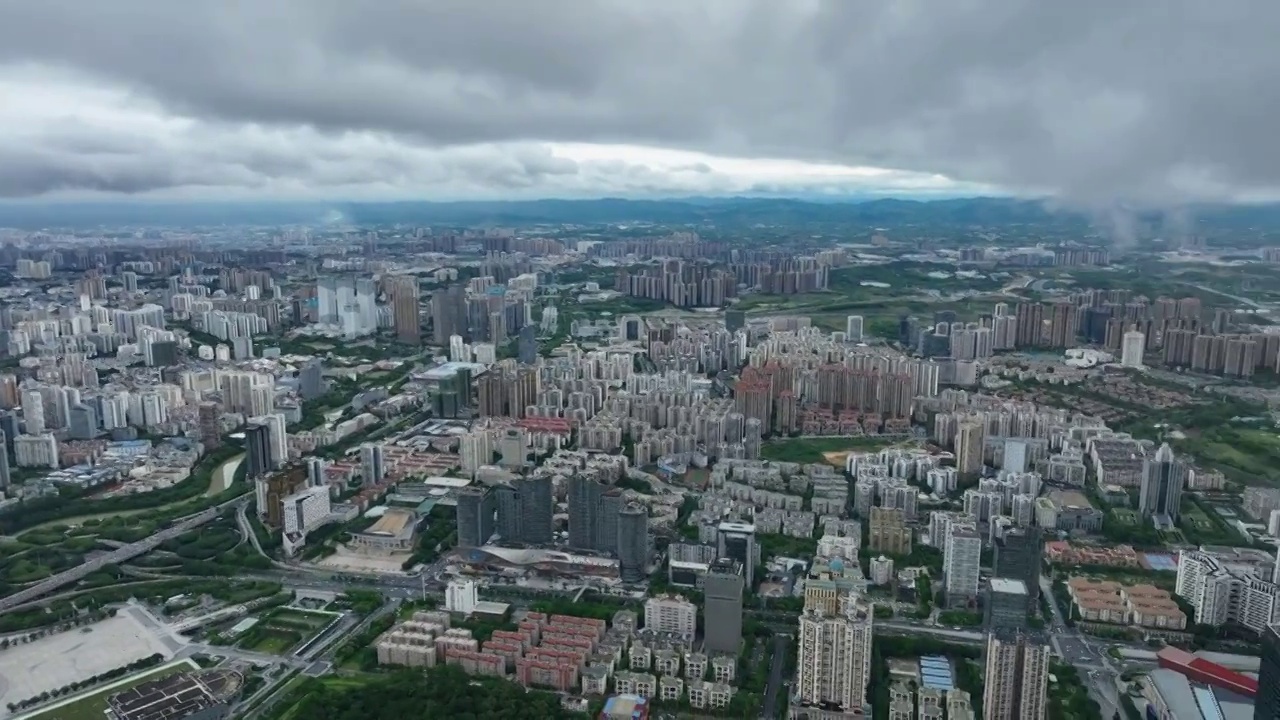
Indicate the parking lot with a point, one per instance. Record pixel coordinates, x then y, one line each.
58 660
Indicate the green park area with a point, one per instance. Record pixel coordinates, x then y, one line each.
92 705
439 692
283 629
830 450
1244 454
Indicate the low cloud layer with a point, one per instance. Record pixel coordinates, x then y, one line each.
1153 101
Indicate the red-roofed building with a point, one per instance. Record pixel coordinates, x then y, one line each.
1209 673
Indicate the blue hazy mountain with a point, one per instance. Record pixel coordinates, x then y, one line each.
719 211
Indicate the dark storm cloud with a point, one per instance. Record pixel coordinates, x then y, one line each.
1146 100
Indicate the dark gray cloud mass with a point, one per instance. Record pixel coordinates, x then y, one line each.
1092 100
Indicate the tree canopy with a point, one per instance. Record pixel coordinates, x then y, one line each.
443 692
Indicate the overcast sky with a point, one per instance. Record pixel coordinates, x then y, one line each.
1158 101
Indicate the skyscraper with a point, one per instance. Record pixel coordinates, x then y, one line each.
969 442
1163 477
633 543
584 497
1266 705
475 514
404 307
257 456
1018 556
524 511
210 426
737 541
527 345
722 607
449 314
834 657
1017 676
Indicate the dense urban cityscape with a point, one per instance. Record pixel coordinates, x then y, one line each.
638 469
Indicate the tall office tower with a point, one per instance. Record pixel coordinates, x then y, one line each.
82 422
525 511
5 477
584 499
311 380
1017 677
853 328
737 541
210 426
1266 706
722 607
257 456
449 314
1018 557
594 511
961 561
834 656
373 466
1132 348
476 508
527 346
1007 604
1163 477
633 543
315 472
970 439
33 412
404 307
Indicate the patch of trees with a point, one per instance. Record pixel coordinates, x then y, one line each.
445 692
114 674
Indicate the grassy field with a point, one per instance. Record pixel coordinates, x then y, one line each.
1245 454
283 629
819 450
1125 517
93 704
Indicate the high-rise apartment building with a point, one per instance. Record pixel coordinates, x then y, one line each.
1016 681
671 614
210 426
1163 478
969 442
888 532
722 607
961 562
1132 348
404 308
853 328
834 656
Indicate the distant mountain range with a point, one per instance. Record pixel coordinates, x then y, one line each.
721 212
